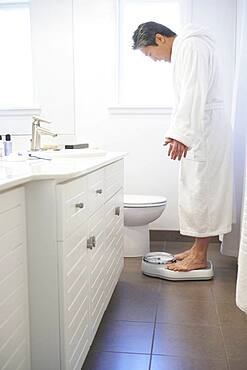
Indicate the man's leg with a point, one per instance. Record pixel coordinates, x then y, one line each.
194 258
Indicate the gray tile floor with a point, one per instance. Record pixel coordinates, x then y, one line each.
153 324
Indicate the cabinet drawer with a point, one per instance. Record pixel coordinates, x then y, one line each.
72 206
96 190
113 178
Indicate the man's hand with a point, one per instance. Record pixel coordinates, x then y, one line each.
176 149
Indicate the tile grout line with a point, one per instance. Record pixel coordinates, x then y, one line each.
221 331
123 352
155 318
227 357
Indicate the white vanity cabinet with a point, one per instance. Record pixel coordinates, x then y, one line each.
14 321
89 246
83 258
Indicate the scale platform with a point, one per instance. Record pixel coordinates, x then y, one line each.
153 264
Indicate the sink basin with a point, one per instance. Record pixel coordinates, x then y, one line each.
69 153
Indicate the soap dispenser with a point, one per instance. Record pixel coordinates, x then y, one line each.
7 145
1 147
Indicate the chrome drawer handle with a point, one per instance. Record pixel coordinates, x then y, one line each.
99 191
79 205
117 211
89 243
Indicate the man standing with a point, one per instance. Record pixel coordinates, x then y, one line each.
199 135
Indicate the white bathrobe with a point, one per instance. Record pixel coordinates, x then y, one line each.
199 122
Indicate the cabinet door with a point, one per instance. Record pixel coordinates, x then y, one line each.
113 243
119 236
96 230
75 299
96 190
14 322
113 178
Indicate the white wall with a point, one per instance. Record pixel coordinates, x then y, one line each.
231 241
74 51
53 63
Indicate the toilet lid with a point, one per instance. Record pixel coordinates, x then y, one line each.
134 200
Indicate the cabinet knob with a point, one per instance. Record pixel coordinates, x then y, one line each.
79 205
89 243
99 191
117 211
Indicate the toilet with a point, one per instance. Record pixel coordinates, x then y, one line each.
139 212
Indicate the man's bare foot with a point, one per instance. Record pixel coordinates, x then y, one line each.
187 264
183 255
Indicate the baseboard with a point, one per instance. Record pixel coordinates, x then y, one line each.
173 236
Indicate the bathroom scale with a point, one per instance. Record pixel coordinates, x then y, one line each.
153 264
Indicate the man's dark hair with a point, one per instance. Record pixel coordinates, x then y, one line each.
146 32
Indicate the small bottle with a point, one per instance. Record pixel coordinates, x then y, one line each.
1 147
7 145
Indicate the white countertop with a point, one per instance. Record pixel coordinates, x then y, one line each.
60 169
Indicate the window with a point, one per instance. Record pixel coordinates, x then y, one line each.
141 81
16 88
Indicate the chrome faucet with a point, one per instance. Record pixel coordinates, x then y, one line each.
37 131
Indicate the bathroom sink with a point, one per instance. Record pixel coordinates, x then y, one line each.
68 153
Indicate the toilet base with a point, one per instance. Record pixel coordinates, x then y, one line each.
136 241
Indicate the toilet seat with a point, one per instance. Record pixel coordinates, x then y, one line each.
142 201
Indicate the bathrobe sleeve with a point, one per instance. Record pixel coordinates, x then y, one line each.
191 80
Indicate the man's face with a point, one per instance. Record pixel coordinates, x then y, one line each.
161 51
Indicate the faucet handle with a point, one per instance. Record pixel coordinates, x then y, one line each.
38 119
